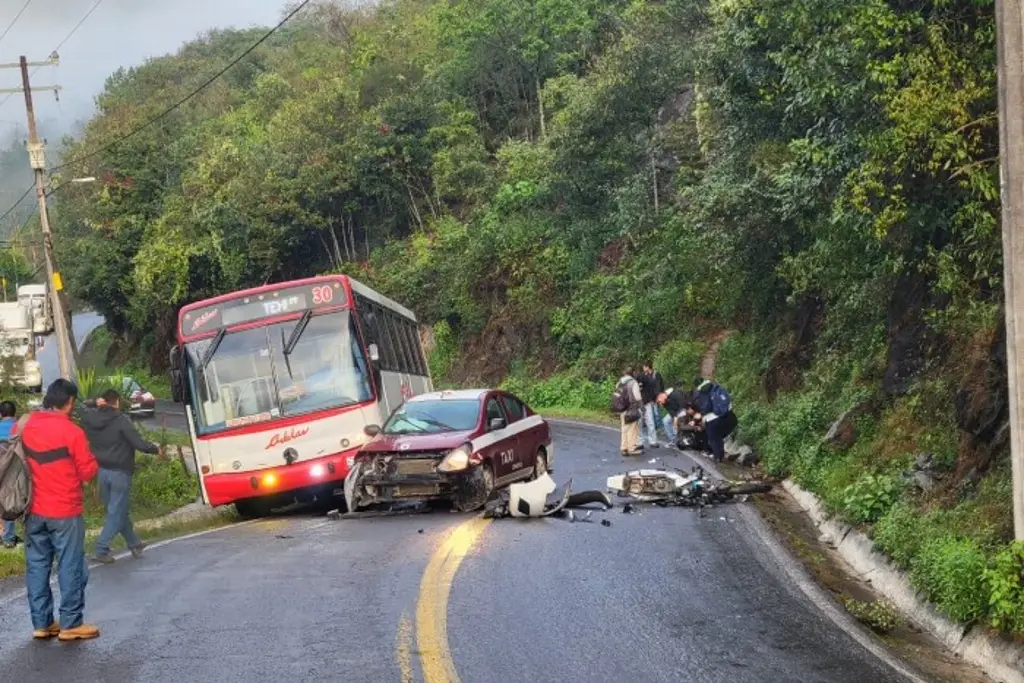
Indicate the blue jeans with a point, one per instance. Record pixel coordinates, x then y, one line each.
649 432
9 533
47 538
116 493
670 428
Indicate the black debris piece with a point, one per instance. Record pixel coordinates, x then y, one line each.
606 522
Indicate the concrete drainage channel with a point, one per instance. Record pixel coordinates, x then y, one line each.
997 657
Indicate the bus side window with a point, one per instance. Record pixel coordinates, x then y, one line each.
389 353
395 325
413 335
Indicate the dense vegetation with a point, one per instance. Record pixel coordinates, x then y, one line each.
560 186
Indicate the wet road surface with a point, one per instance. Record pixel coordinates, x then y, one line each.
659 596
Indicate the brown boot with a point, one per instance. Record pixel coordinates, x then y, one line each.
83 632
46 633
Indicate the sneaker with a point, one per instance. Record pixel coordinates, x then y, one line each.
104 558
83 632
137 550
47 633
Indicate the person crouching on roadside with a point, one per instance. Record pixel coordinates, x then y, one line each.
59 463
114 440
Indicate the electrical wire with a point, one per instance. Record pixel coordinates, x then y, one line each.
132 133
61 43
15 19
9 211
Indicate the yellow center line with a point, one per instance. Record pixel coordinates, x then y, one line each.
432 605
403 648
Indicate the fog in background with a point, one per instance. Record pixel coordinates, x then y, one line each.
118 33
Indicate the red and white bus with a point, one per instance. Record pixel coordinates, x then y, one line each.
279 382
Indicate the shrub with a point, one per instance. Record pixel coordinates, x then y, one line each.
880 616
679 361
564 390
899 534
870 497
951 572
1004 583
444 354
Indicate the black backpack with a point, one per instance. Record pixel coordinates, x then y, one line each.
621 400
15 481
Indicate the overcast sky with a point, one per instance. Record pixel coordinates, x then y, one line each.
118 33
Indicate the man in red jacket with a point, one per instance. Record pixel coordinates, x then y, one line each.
59 461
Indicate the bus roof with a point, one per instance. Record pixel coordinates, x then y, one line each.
32 289
375 296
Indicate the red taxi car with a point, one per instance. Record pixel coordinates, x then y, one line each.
453 445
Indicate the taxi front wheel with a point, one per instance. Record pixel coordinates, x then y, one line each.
476 489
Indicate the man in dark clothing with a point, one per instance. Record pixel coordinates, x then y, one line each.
114 440
717 424
650 387
675 402
59 462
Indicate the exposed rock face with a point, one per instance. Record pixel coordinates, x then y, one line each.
843 431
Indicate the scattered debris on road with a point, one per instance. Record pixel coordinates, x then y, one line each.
541 497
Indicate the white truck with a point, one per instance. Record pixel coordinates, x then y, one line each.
18 349
35 299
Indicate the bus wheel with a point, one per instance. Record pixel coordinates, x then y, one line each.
252 508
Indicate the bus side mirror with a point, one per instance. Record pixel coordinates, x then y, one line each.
374 353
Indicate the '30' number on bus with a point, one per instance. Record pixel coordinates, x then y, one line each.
322 294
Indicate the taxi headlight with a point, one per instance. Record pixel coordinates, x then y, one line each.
456 460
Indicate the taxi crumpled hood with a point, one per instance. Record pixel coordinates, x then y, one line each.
389 443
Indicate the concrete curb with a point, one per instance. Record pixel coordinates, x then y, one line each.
998 657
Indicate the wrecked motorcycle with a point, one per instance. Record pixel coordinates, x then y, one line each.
674 487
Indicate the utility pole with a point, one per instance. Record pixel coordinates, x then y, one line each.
66 351
1010 56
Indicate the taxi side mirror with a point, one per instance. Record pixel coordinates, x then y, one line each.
497 423
371 430
374 353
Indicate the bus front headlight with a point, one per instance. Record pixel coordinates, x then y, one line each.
457 459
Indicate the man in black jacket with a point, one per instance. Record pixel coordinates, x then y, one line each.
114 440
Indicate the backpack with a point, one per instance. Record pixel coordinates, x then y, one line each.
721 401
15 481
621 400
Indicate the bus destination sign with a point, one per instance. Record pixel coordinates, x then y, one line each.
258 306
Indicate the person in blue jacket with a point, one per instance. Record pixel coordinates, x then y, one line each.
8 419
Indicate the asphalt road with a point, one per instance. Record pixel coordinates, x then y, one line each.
658 596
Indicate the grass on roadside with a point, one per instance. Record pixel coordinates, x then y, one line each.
159 487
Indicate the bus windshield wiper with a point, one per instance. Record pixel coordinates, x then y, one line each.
297 332
212 349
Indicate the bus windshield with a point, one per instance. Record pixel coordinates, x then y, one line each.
249 378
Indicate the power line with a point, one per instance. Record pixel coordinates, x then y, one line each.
62 43
188 97
15 19
9 211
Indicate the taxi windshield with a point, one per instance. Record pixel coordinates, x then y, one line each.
434 417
